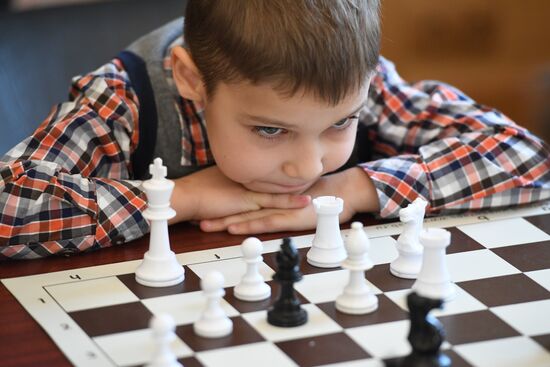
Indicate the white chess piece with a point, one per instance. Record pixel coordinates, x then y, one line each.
434 280
159 267
163 327
252 286
327 249
213 322
408 263
357 298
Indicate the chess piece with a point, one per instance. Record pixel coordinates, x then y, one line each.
286 311
434 280
159 267
426 334
408 263
252 286
213 322
163 327
357 297
327 249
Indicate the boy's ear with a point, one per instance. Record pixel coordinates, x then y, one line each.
186 75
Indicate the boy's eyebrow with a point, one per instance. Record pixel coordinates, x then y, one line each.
266 120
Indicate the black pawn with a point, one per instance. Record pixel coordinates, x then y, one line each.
286 310
426 334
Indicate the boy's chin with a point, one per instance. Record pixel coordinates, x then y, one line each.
271 188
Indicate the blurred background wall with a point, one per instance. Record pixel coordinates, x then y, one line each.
496 51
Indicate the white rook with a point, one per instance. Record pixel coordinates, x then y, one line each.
327 249
159 267
434 280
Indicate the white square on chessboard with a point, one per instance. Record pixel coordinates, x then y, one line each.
506 232
386 340
326 286
232 270
382 250
529 318
136 347
477 264
507 352
318 323
540 276
263 354
185 308
462 303
92 293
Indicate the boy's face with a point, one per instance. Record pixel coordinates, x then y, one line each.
273 144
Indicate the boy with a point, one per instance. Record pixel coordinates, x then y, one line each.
265 105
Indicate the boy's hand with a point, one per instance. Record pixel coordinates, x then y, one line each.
353 186
210 194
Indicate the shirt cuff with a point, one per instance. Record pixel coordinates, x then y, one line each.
398 181
120 207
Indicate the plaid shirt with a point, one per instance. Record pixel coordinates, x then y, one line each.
68 188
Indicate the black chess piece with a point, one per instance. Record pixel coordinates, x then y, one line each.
426 334
286 310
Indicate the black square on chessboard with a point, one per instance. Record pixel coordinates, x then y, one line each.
460 242
505 290
540 221
190 284
305 268
456 360
527 257
387 311
244 306
323 349
383 279
113 319
242 333
474 327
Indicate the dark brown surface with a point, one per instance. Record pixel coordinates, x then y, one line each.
505 290
242 333
112 319
387 311
317 350
528 257
475 326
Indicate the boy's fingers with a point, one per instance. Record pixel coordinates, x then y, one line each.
267 224
221 224
280 201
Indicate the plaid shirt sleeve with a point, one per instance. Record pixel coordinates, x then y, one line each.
66 188
431 141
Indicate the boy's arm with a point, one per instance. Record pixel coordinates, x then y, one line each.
431 140
66 188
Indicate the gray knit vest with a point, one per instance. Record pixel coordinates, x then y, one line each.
160 132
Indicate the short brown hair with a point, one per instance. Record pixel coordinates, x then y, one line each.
325 47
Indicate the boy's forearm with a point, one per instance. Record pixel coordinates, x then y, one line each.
361 192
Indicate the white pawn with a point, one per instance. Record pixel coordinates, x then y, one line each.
159 267
357 298
408 263
163 327
252 286
327 249
213 322
434 280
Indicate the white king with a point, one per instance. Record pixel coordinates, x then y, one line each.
159 267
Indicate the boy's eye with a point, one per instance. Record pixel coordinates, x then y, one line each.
268 131
342 124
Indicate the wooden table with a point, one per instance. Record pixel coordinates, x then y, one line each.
24 343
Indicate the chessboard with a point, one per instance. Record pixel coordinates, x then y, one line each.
499 261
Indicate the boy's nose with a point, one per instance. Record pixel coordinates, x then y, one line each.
304 164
